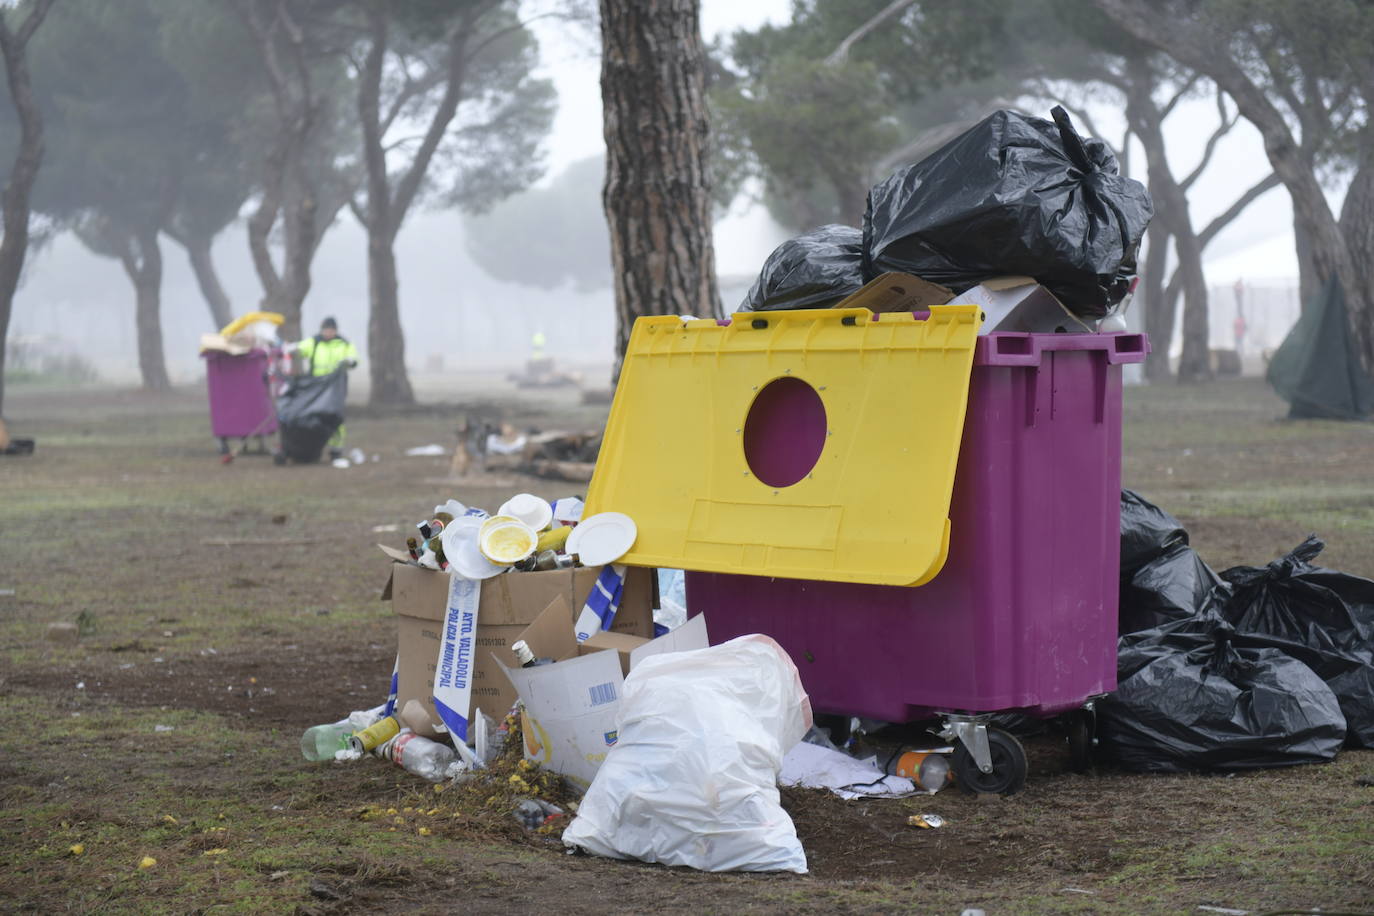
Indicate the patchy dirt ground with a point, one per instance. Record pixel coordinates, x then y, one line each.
226 608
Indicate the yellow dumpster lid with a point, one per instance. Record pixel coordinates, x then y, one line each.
812 444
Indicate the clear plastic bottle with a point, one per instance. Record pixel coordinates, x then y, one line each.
927 767
320 742
421 756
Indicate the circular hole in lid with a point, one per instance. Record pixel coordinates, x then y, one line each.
784 432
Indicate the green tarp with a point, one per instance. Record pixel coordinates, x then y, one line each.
1317 367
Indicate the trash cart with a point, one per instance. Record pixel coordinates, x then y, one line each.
240 399
1017 609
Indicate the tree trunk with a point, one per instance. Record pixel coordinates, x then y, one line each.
657 194
1201 46
288 191
203 264
1159 307
386 345
1357 227
143 263
387 205
14 198
386 349
1195 362
1309 284
1147 121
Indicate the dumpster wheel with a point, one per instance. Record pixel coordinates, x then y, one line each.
1008 766
1079 726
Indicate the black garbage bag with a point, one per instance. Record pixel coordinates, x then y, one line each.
309 411
812 271
1330 614
1173 586
1013 195
1147 532
1191 697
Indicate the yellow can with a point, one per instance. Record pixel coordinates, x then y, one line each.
382 730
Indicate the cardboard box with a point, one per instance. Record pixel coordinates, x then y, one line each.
896 292
510 602
1022 305
571 707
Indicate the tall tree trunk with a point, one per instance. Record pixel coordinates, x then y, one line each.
1201 46
657 194
385 341
1309 283
203 266
1357 227
1194 363
14 198
143 263
288 191
260 225
1147 121
1159 306
387 205
386 345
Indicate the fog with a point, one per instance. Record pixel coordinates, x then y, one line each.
455 316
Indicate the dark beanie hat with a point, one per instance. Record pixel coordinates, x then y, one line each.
329 323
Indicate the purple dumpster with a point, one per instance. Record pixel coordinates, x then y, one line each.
1022 617
240 402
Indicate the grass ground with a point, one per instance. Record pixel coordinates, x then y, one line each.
223 609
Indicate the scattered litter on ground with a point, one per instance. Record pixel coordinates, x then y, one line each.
426 451
815 767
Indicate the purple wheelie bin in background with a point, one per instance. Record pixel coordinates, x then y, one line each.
1023 616
240 400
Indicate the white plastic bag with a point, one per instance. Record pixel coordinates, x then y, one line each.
692 779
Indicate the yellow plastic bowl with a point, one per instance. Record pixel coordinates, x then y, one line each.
505 540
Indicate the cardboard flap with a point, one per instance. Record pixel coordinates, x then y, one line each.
1020 304
400 556
691 635
998 284
896 292
619 643
570 689
550 635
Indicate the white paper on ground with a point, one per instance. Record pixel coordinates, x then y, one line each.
816 767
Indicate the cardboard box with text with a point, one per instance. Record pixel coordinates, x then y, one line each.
509 603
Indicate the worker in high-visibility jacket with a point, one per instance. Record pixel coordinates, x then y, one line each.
328 351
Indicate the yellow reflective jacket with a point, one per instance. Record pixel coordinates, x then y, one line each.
326 355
